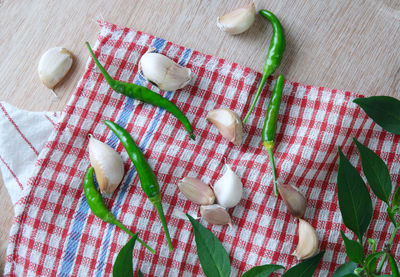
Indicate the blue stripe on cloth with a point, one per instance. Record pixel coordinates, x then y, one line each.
122 122
83 209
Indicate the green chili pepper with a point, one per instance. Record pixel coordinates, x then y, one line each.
269 129
393 266
274 56
143 94
148 179
97 206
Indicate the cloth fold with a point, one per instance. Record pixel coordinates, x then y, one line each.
23 135
55 233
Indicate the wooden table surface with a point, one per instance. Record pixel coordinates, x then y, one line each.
348 45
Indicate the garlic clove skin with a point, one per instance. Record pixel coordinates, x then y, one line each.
294 200
308 241
196 191
164 72
108 165
228 124
238 20
54 65
215 214
228 189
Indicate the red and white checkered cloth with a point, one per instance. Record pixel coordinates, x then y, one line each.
55 233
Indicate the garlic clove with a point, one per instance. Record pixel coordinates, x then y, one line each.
107 163
164 72
238 20
215 214
228 124
54 65
294 200
308 241
228 189
196 191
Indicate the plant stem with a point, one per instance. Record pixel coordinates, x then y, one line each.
164 223
259 89
126 230
389 246
272 162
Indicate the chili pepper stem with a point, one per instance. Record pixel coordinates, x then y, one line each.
107 76
264 79
160 212
126 230
269 147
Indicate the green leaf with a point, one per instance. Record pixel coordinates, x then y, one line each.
354 249
376 172
384 110
396 197
393 266
345 269
354 200
123 265
262 270
140 274
213 257
305 268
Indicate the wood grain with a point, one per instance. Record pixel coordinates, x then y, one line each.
347 45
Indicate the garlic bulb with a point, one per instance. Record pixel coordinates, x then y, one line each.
228 124
107 163
164 72
228 189
196 191
54 65
294 200
238 20
215 214
308 241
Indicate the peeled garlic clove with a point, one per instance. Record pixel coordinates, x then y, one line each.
54 65
196 191
228 124
164 72
308 241
228 189
215 214
294 200
238 20
107 163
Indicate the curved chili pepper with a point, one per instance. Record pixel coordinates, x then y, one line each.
274 56
143 94
269 129
148 179
97 206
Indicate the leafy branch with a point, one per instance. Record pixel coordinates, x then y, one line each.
356 207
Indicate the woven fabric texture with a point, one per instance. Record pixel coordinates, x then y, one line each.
56 234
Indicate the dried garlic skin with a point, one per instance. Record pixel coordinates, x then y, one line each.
294 200
228 123
54 65
308 241
108 165
238 20
215 214
196 191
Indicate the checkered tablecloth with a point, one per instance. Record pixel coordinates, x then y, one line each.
55 234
